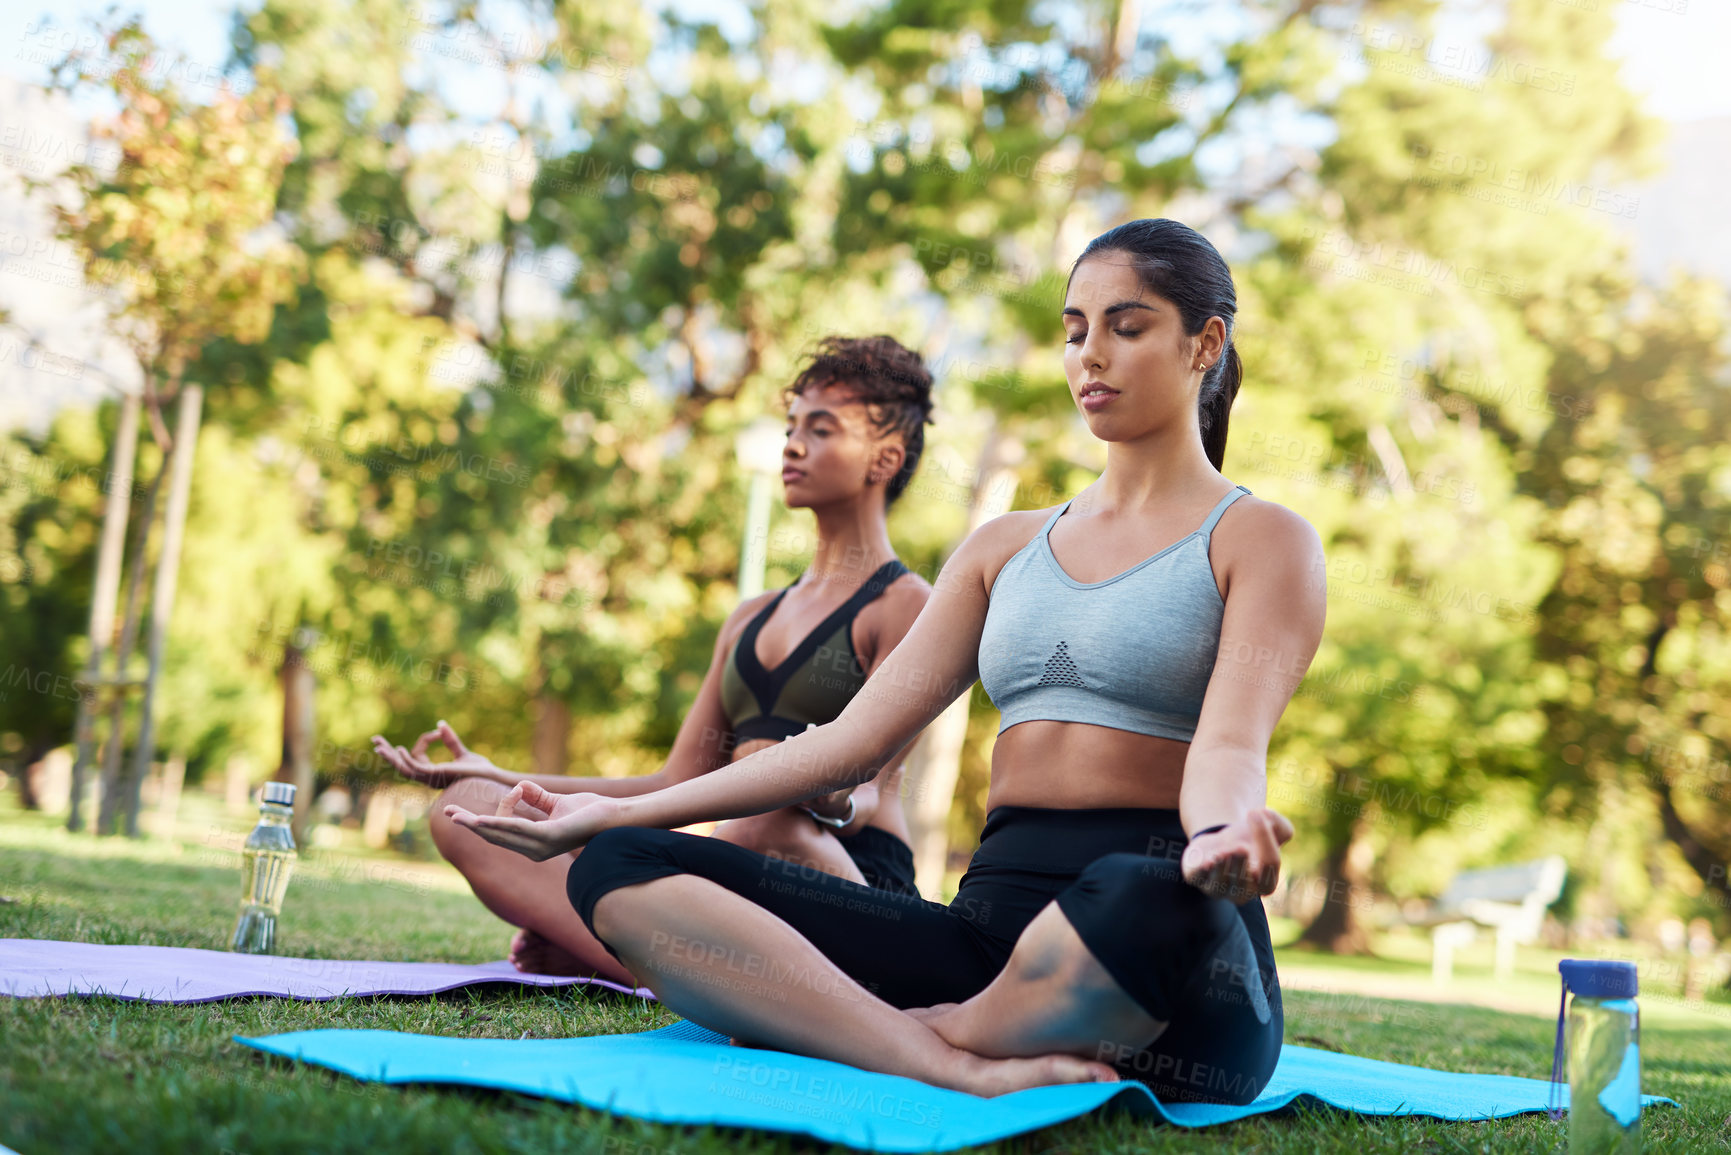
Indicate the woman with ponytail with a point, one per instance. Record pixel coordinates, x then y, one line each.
1175 263
1140 642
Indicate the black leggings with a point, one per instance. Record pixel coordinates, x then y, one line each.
1199 964
886 861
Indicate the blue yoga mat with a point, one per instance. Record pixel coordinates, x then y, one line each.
688 1074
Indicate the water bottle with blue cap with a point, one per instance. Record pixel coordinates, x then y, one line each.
1601 1052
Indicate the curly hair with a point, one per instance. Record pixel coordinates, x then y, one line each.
890 379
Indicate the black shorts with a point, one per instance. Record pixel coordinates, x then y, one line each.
886 861
1199 964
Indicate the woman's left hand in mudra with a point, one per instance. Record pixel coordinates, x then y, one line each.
1242 861
565 821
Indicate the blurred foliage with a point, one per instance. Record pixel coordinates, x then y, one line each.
487 453
180 224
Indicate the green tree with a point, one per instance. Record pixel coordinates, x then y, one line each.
1412 243
1636 503
179 227
53 488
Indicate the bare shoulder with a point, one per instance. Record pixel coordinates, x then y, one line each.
1264 537
899 604
888 617
1253 521
906 597
1000 539
741 614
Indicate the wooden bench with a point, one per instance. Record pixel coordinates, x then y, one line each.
1510 899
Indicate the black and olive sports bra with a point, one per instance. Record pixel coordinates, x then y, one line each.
813 683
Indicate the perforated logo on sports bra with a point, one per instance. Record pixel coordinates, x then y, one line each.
1061 670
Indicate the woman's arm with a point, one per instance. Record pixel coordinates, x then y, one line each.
463 763
593 784
466 763
933 665
902 603
1269 632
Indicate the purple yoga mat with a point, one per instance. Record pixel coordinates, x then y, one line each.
38 968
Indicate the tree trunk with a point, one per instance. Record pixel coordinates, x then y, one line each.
237 784
380 810
168 797
28 797
162 590
1337 927
935 762
106 593
1705 862
109 792
552 741
298 729
929 785
34 775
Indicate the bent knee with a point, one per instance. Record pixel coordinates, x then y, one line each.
1138 877
477 795
1128 888
782 833
612 855
612 850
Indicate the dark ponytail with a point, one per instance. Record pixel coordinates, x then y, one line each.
1213 406
1177 263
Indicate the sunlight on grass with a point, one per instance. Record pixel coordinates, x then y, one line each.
102 1075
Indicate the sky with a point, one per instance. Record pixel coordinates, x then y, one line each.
1673 49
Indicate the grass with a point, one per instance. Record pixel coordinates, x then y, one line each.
105 1075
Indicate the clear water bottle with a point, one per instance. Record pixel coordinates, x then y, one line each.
270 859
1600 1050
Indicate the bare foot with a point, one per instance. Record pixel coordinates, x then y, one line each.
989 1078
532 954
944 1020
928 1015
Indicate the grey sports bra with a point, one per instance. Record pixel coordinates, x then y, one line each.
1133 652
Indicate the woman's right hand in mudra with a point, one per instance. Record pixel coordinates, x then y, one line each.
565 822
414 763
1241 861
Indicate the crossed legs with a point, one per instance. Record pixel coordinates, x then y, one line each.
744 971
530 895
1127 969
1052 996
793 960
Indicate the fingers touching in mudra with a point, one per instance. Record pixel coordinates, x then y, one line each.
560 822
415 763
1241 861
529 819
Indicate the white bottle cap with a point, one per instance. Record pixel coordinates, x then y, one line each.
280 793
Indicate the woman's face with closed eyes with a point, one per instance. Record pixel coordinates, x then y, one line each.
1130 365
